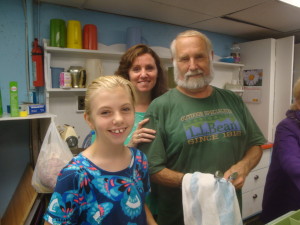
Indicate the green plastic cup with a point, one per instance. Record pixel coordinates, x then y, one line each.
58 33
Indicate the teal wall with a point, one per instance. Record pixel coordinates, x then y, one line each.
12 48
14 135
112 28
18 26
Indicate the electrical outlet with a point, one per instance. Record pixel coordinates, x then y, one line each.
80 102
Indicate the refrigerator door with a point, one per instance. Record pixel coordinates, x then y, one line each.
275 59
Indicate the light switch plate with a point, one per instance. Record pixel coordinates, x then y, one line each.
80 103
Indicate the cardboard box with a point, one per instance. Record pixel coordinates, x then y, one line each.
33 108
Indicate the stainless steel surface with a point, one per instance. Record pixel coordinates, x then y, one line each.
78 75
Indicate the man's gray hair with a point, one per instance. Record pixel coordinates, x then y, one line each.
191 33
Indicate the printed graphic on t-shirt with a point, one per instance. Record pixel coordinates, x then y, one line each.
210 125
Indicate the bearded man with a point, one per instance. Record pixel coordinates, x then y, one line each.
199 127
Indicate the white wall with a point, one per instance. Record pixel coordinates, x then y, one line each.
296 63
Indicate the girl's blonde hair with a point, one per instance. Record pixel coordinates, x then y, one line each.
296 94
107 82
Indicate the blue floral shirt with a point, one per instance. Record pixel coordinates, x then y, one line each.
85 194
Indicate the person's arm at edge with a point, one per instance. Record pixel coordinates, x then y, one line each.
167 177
46 223
149 216
244 167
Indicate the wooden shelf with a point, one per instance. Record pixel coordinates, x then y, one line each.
22 200
109 52
66 90
113 54
228 64
83 52
29 117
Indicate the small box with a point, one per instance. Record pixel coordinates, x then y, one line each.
37 108
33 108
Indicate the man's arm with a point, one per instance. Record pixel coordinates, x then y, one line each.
244 167
167 177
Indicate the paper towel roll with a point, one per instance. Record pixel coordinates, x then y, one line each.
93 69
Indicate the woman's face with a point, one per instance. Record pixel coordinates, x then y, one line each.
143 73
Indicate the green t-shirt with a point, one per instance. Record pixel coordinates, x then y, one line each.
195 134
138 117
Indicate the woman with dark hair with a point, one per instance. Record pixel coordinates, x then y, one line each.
142 66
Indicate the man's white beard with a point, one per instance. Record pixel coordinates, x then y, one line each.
193 83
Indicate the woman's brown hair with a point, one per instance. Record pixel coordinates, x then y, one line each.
126 63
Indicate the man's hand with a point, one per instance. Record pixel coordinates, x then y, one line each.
242 174
244 167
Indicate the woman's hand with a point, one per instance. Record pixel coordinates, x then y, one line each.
142 134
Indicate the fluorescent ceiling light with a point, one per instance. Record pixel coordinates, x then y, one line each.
292 2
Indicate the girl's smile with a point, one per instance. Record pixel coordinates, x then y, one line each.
112 114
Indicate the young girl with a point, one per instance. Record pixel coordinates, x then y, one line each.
107 183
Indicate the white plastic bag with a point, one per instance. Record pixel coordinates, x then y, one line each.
53 156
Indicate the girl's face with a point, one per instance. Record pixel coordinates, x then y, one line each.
112 115
143 73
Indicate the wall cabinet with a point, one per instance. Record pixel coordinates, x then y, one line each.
228 75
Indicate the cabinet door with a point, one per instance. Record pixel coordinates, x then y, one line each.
261 55
257 176
265 160
252 202
255 179
275 59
